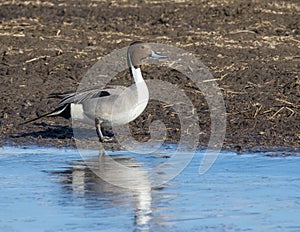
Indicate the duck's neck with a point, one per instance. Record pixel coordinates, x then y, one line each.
137 75
140 87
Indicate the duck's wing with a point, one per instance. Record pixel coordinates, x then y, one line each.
95 89
87 94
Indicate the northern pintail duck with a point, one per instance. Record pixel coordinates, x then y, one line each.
113 105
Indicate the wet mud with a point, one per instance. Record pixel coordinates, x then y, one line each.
252 48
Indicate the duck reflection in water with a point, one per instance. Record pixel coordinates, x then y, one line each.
98 181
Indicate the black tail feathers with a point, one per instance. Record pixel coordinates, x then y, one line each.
63 111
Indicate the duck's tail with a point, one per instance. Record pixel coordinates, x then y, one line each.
63 111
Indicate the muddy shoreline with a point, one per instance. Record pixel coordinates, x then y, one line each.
251 47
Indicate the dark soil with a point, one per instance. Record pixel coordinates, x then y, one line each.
251 47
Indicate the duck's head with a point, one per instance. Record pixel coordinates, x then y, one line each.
138 51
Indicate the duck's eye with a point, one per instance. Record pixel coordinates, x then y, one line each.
142 47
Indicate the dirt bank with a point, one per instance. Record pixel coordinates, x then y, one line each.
251 47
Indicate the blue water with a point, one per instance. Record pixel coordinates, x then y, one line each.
48 189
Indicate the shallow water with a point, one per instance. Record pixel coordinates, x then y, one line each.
48 189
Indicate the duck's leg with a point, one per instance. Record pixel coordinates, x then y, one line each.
98 130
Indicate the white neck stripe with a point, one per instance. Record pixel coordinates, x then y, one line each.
137 74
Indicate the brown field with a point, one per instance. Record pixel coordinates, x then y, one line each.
252 49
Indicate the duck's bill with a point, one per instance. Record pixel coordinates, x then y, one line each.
155 55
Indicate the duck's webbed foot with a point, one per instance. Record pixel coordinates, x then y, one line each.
107 133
